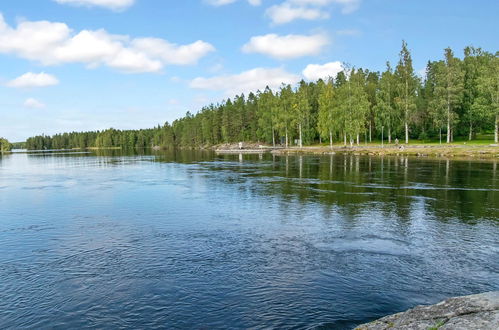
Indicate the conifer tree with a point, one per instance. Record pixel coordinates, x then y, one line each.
406 88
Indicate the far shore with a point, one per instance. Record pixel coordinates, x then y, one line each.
476 151
456 150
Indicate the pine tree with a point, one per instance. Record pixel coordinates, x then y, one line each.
406 88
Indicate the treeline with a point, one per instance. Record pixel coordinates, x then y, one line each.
5 145
457 97
18 145
143 138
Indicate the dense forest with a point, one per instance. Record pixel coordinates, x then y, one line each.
5 145
457 97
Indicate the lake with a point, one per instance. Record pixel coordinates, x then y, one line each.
197 240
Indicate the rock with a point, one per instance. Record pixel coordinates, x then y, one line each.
479 312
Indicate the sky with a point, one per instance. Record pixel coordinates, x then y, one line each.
77 65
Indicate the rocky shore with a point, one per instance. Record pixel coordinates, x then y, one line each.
449 151
477 312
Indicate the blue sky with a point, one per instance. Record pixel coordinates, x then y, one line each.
72 65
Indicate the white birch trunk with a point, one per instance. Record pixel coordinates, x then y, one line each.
301 143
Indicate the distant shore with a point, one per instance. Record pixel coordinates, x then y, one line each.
471 151
421 150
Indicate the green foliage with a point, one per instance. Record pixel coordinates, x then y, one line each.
5 145
406 87
386 116
327 123
460 94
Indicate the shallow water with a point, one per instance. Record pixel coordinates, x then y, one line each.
195 240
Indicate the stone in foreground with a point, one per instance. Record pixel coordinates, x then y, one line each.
480 311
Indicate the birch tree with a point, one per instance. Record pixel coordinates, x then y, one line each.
385 113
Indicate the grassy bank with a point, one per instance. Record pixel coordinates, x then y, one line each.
424 150
460 149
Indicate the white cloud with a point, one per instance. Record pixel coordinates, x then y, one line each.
315 72
33 104
31 79
348 32
247 81
110 4
291 10
286 12
286 47
172 53
347 6
218 3
55 43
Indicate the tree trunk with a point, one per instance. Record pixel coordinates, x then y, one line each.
389 136
382 141
286 137
273 138
448 130
331 139
406 133
471 132
358 139
440 134
496 133
301 143
345 138
370 132
406 111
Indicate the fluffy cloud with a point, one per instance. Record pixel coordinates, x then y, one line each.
31 79
110 4
55 43
286 47
218 3
33 104
291 10
286 12
247 81
317 71
172 53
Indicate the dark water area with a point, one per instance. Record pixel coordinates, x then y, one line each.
195 240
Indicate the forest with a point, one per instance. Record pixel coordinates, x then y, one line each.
458 97
5 145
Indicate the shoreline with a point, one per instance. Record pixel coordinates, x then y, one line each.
417 150
455 151
479 311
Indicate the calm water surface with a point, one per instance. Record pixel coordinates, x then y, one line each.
194 240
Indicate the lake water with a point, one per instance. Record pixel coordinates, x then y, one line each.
195 240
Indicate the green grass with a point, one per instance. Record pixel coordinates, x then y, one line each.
480 140
437 325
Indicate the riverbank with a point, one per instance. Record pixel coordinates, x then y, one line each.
480 311
421 150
